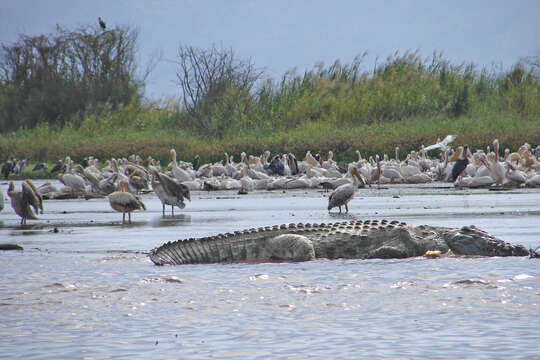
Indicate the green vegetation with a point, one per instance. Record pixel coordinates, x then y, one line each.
66 76
407 101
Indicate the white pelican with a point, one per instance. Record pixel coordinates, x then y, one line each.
497 168
230 169
218 169
179 173
23 201
286 169
424 162
205 170
344 193
257 175
533 180
330 164
309 159
125 202
408 170
441 145
247 183
391 172
419 178
443 170
302 182
71 178
515 176
375 170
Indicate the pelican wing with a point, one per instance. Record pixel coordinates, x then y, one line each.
31 197
341 195
448 139
442 145
172 186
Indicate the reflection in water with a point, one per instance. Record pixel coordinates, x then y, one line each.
170 220
343 215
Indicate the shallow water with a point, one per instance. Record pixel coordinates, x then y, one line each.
89 291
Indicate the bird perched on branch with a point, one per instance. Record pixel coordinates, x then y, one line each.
102 23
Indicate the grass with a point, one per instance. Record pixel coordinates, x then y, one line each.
370 139
406 102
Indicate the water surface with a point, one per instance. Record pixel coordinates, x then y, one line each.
84 288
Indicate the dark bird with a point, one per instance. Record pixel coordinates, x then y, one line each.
20 166
275 166
196 162
58 166
102 23
40 166
8 167
461 162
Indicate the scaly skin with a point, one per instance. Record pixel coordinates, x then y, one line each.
348 240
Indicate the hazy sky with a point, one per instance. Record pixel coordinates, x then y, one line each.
279 35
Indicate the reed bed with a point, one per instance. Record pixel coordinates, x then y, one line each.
406 101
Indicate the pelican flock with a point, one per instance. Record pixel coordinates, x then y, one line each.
122 179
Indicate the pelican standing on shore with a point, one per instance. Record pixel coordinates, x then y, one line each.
125 202
344 193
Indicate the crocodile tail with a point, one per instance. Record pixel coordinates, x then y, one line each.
191 251
219 248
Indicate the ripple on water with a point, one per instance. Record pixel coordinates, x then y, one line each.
83 297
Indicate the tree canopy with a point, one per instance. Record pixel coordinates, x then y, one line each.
59 78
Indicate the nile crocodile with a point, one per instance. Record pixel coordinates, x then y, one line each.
348 240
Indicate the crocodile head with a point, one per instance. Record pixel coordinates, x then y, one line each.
470 240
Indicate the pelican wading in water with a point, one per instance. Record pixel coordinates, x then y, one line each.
344 193
125 202
170 191
22 201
